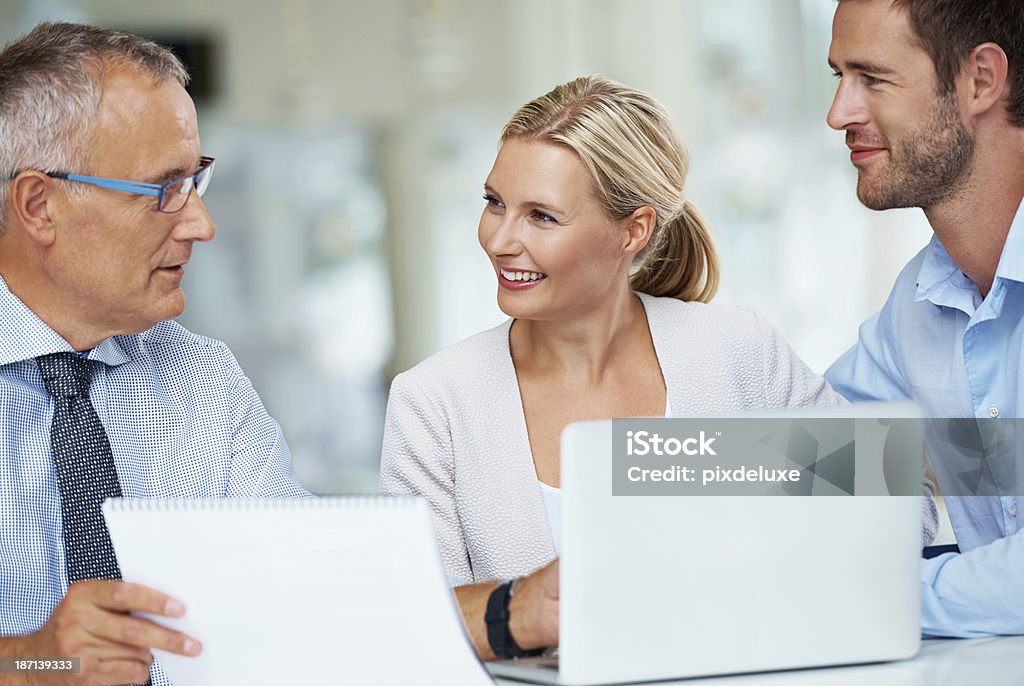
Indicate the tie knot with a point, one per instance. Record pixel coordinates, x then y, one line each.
65 375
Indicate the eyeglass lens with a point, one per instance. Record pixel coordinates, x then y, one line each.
176 194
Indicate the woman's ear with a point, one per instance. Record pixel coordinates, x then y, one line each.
639 229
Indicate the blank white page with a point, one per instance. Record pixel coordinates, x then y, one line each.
346 590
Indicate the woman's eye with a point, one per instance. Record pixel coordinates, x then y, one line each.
540 216
492 201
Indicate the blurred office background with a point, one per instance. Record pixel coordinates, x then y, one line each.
353 138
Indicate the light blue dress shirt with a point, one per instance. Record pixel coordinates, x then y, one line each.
937 341
183 422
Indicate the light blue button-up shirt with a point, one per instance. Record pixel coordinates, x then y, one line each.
956 354
183 422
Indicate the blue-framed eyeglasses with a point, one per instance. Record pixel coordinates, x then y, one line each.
172 195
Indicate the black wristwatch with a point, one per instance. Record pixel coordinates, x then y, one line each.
498 634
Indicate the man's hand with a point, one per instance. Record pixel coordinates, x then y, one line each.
92 623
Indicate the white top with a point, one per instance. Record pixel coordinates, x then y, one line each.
553 503
455 431
553 509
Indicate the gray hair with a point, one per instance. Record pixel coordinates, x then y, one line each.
51 82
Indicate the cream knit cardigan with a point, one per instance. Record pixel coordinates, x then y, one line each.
455 431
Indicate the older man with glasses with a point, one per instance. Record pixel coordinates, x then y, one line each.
100 394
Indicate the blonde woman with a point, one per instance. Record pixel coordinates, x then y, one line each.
604 269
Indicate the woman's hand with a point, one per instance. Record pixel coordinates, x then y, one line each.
533 611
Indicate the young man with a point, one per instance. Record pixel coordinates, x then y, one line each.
101 395
931 97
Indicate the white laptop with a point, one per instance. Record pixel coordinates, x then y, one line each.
664 587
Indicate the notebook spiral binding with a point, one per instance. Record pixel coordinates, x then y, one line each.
207 504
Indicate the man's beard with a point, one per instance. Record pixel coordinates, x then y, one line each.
925 167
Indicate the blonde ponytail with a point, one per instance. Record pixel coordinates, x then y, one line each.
681 261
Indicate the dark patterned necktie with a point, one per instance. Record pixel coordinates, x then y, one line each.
84 465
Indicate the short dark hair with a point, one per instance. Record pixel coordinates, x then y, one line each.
949 29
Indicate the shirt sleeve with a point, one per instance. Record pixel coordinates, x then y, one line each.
959 593
870 369
417 458
261 464
976 593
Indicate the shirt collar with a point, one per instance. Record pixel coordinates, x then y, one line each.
1011 262
26 336
937 268
940 280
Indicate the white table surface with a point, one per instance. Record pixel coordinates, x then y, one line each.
940 662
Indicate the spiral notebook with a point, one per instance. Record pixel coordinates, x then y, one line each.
345 590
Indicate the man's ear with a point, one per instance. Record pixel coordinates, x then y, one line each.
31 199
984 74
639 228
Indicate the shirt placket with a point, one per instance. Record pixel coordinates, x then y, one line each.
984 363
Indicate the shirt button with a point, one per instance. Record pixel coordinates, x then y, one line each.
1013 509
993 412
